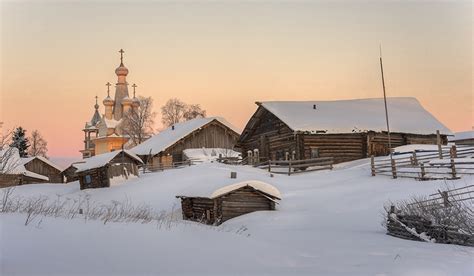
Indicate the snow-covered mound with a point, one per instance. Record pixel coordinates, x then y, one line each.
208 154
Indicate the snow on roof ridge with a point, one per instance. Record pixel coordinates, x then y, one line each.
166 138
463 135
356 115
256 184
100 160
25 160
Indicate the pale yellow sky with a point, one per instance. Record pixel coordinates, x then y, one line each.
225 55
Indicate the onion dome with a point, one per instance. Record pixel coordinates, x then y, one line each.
136 102
127 101
108 101
121 70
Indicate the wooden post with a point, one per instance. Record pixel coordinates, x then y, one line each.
438 141
372 165
423 173
293 155
287 156
289 167
453 152
250 157
453 168
394 169
269 165
415 159
444 195
233 174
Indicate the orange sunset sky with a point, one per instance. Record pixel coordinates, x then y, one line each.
56 56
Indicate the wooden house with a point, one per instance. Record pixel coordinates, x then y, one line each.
345 130
14 173
210 206
99 170
464 138
167 146
43 166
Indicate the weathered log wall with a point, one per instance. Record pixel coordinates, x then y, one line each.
40 167
8 180
342 147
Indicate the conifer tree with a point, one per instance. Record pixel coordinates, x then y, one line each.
20 141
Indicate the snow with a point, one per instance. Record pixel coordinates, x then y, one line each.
100 160
26 160
359 115
214 189
208 154
418 148
464 135
111 123
15 165
327 223
169 136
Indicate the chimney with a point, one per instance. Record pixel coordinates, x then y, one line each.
314 106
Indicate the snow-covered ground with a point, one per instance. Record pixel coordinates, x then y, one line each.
327 223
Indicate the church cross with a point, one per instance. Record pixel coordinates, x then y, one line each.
121 56
134 86
96 99
108 88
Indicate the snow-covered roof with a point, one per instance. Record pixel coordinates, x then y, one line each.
170 136
100 160
111 123
14 165
464 135
208 154
26 160
359 115
213 190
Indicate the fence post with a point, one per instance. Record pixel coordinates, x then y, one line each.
256 156
394 169
289 167
415 159
444 195
438 141
453 152
423 173
250 157
269 165
453 168
372 165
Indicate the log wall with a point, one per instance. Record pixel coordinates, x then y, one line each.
342 147
40 167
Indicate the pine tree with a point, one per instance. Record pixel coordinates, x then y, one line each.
20 142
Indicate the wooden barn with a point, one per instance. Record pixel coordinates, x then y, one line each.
345 130
43 166
14 173
464 138
211 205
167 146
99 170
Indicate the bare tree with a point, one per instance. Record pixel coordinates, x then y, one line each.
138 123
38 145
175 111
8 159
194 111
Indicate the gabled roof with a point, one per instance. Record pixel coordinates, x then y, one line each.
27 160
464 135
14 165
170 136
102 160
406 115
214 190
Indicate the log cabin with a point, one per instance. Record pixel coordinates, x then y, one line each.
213 206
167 147
344 130
99 170
44 166
14 173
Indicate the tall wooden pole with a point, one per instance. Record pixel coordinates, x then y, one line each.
385 102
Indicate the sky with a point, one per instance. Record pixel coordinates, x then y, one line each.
56 56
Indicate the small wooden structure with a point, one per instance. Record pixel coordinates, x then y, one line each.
166 147
97 171
14 173
228 202
464 138
43 166
344 130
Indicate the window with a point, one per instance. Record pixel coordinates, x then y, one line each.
87 179
314 152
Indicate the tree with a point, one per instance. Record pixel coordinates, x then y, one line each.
138 123
20 142
175 111
194 111
8 162
38 145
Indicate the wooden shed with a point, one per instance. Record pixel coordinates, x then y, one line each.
44 166
345 130
99 170
167 146
14 173
464 138
210 206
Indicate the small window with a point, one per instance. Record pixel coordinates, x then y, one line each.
87 179
314 152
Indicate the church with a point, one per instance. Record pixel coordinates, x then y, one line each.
105 133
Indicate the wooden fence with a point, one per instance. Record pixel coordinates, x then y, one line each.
297 166
448 163
146 168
